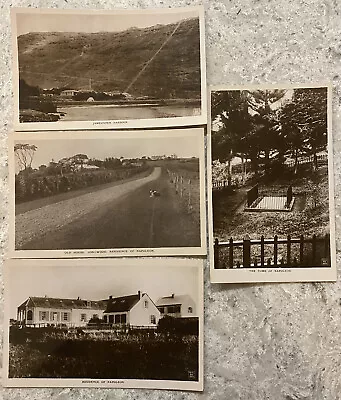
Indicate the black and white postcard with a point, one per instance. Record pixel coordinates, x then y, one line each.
129 323
271 199
92 194
96 69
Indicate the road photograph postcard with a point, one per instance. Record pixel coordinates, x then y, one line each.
123 323
97 69
271 189
94 194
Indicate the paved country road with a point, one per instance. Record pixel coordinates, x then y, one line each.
122 216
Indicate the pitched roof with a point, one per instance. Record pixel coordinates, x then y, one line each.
172 300
121 304
50 302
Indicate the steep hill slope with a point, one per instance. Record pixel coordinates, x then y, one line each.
110 61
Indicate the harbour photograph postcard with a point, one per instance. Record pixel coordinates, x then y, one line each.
92 194
127 323
271 192
96 69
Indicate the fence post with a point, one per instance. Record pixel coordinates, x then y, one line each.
262 251
288 251
289 196
314 250
216 253
246 252
231 253
301 250
275 250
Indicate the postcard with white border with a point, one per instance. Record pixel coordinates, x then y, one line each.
99 69
128 323
271 189
92 194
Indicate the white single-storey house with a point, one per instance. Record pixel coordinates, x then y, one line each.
135 310
68 92
177 306
43 311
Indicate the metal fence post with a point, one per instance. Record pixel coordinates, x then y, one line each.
216 253
246 252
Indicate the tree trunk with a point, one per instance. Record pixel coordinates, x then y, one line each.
243 169
296 162
315 163
229 167
254 163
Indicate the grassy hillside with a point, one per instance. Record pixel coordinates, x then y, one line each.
113 59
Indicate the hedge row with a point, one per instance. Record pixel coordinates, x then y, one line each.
32 187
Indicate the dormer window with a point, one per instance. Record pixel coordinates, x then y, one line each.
190 310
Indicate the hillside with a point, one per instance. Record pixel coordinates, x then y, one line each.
110 61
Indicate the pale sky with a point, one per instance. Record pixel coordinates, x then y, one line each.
94 282
89 23
100 148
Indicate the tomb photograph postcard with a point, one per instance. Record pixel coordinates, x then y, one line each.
128 323
270 171
98 69
92 194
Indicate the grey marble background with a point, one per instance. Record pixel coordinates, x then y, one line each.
264 341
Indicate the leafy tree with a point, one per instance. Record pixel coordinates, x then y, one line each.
230 113
24 154
304 123
266 131
112 163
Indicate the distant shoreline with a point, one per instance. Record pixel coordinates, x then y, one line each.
128 103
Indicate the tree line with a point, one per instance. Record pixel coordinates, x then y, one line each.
265 127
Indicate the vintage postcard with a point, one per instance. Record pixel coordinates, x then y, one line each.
128 323
270 171
97 69
92 194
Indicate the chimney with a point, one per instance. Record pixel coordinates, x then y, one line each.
172 296
78 298
139 293
110 297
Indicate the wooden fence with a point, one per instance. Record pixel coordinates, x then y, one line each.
321 160
184 187
221 185
318 254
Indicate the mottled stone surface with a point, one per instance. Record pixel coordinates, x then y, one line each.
270 341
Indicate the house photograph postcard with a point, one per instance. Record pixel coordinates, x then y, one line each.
95 323
92 194
81 69
271 210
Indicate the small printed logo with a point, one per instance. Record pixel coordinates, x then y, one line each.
191 375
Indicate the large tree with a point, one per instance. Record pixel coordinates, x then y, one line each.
266 131
304 123
24 153
231 117
248 125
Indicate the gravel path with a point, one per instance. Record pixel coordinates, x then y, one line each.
40 221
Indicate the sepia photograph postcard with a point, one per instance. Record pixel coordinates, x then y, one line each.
124 323
271 196
92 194
99 69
